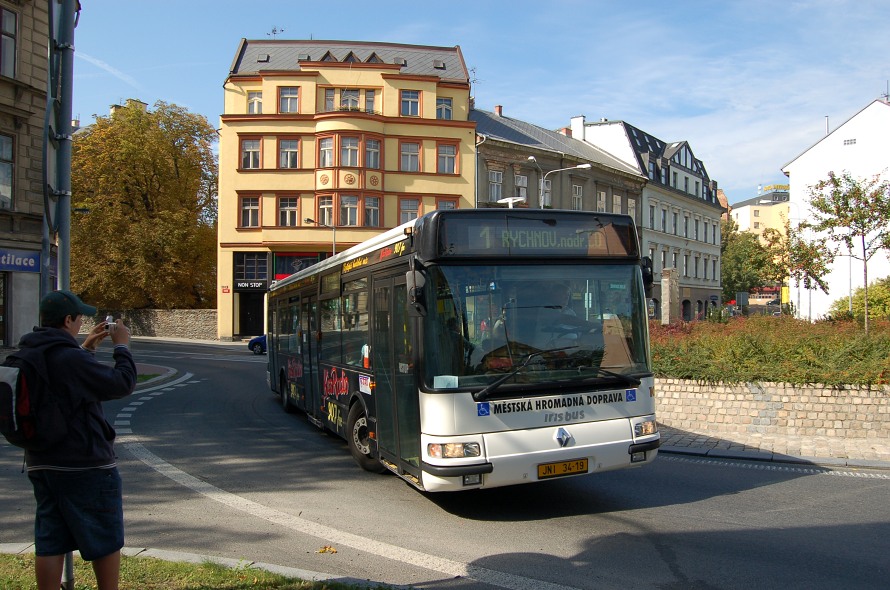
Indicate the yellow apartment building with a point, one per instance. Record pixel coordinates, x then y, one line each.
324 144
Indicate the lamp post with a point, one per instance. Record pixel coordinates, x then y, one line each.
333 229
545 175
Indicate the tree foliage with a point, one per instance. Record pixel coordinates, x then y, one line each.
878 302
797 259
745 262
856 213
148 183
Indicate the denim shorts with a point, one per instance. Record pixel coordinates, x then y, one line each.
78 510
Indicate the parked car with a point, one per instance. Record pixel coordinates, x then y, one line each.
257 344
773 302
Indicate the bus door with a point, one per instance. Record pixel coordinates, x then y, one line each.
309 352
397 402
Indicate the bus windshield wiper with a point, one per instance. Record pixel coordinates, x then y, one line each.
485 393
613 375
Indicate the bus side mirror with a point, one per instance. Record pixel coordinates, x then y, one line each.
415 280
646 267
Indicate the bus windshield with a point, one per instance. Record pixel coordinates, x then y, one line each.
518 326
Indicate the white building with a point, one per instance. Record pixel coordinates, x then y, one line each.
858 146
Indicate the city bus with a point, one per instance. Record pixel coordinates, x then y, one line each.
475 348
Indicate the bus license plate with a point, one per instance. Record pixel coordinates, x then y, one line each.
548 470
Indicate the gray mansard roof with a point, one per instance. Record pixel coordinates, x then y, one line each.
255 56
525 134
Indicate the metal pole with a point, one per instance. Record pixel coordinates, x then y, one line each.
334 243
66 48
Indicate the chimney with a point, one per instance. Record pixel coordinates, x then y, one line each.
567 131
498 110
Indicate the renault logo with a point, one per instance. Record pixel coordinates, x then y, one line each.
563 437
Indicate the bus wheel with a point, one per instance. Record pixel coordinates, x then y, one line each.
285 402
359 441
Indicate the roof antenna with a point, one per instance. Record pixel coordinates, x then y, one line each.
886 95
275 31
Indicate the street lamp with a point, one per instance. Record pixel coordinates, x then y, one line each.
333 229
544 177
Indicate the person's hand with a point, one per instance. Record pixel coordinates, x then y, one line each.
120 334
95 337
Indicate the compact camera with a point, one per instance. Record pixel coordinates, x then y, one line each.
109 323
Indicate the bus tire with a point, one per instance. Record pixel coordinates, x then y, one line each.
359 441
285 401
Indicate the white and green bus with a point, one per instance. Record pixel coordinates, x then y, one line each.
475 348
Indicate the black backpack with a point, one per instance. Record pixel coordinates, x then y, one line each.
30 415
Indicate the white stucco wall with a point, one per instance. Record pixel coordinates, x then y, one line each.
865 158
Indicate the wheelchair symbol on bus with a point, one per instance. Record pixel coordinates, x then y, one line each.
483 409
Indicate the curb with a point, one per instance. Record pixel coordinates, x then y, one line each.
768 456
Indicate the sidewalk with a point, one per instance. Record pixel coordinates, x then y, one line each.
818 450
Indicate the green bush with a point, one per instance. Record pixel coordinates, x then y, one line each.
774 349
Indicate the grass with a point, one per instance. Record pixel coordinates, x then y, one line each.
142 378
773 349
145 573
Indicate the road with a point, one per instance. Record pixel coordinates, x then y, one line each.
212 465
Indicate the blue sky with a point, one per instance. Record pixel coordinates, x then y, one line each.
748 84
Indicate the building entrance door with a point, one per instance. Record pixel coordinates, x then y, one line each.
250 314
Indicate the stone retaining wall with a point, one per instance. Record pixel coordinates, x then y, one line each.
197 324
774 408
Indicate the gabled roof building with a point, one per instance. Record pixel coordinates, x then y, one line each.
858 146
324 144
680 227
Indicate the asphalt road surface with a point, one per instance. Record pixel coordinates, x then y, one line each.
212 465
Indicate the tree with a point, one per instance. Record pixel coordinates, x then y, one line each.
745 262
878 302
147 180
856 213
796 259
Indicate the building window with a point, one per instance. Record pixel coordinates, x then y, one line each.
6 168
546 192
250 212
447 159
846 141
328 100
254 103
695 269
705 236
664 220
674 260
676 179
685 226
676 224
495 184
664 176
686 184
348 210
697 187
8 43
756 225
714 270
446 203
410 103
372 212
289 99
664 259
408 209
616 203
632 208
349 151
686 265
372 153
577 197
757 213
251 265
349 99
601 202
250 154
369 101
289 153
521 182
651 170
326 152
444 108
326 211
410 157
651 216
288 213
696 228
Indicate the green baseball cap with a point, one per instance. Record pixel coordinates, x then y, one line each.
60 304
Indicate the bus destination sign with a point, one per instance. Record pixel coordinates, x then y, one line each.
543 237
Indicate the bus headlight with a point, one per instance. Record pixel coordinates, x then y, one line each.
454 450
646 427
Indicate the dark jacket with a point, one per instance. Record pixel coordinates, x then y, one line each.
81 383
